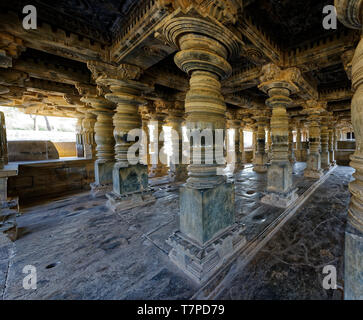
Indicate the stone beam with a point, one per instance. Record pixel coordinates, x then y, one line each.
323 53
53 41
51 71
260 40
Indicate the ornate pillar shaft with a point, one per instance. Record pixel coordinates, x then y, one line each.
292 158
159 166
3 142
79 136
313 165
260 161
278 84
325 156
88 133
174 120
331 146
242 144
298 143
350 13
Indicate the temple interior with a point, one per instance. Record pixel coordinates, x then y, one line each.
216 150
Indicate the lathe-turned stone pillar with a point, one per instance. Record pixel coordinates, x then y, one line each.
254 142
350 13
278 84
325 156
269 142
331 142
208 234
129 176
88 133
298 142
159 166
261 159
313 165
292 158
145 113
175 119
242 144
305 148
103 135
79 135
235 154
3 142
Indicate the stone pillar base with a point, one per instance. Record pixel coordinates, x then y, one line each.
314 174
353 282
260 168
178 173
100 190
118 203
8 223
202 262
280 200
205 212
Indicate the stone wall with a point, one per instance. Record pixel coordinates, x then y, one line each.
249 156
345 150
66 149
31 150
46 180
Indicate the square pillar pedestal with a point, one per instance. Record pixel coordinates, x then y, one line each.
103 178
208 234
8 208
279 191
130 188
313 167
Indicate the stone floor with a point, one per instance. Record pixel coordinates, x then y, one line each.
83 251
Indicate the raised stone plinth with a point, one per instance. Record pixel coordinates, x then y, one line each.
125 201
202 262
208 233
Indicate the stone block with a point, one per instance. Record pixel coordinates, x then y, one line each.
129 179
279 177
103 172
204 213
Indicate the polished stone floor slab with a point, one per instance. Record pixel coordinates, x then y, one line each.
83 251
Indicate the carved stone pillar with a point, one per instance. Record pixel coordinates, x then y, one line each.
242 144
260 161
88 132
235 125
313 165
159 166
174 120
305 148
269 142
298 142
325 156
103 110
206 201
3 142
79 135
292 158
278 84
254 142
350 13
331 141
145 113
130 176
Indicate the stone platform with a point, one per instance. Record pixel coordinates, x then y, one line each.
84 251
